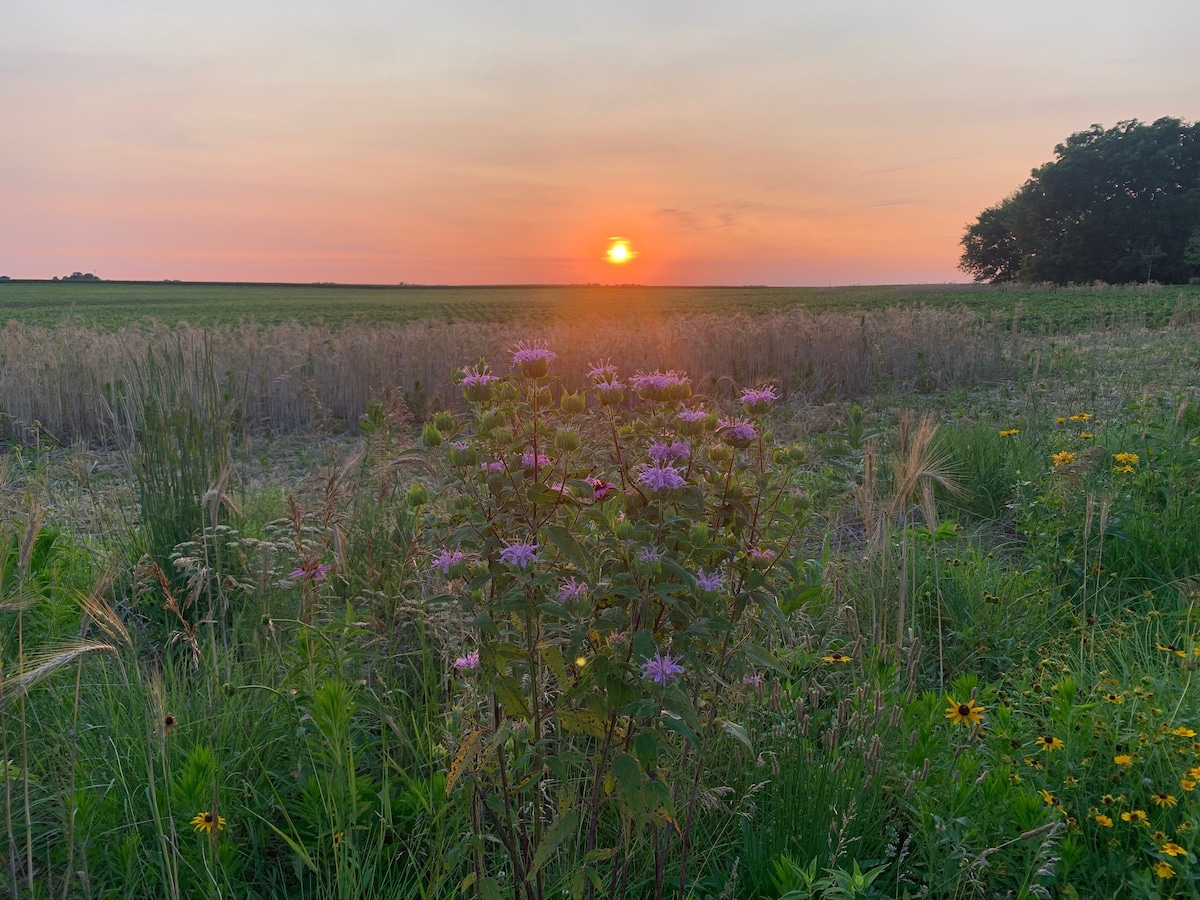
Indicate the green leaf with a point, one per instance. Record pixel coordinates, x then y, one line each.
568 547
764 659
563 827
737 732
672 722
553 658
489 889
509 695
582 721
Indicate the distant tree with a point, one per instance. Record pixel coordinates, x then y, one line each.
1115 205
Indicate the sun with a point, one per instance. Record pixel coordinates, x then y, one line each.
619 251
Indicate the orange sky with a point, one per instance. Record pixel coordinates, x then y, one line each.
493 142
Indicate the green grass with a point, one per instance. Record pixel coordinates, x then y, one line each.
114 305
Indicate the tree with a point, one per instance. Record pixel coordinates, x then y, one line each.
1117 205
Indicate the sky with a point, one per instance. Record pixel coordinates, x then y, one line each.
453 142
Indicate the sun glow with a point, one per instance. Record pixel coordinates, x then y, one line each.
619 252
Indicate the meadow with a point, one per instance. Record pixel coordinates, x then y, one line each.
891 598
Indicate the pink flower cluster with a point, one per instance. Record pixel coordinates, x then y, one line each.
738 432
600 487
758 400
662 451
669 385
572 590
528 459
447 559
532 360
660 477
662 668
467 661
519 553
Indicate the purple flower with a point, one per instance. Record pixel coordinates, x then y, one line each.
661 668
603 372
528 459
467 661
761 554
691 416
572 590
532 360
752 678
709 581
661 451
309 572
447 559
476 375
610 393
600 487
648 555
519 554
738 432
669 385
490 467
462 446
660 477
758 400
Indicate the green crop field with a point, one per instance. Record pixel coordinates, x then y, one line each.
112 305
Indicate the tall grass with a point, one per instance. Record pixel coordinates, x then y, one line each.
71 382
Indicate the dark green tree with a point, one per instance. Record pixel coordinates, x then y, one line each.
1116 205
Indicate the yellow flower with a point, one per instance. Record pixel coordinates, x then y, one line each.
1123 760
1061 459
1080 417
1194 772
1125 470
1171 648
337 840
1114 698
1103 820
1060 420
1172 849
837 657
581 661
1126 459
1137 817
1086 435
204 822
965 714
1164 800
1050 798
1187 784
1163 869
1009 432
1183 731
1049 743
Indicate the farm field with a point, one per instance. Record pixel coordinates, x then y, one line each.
894 597
114 305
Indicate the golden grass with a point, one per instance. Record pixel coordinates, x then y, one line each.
73 383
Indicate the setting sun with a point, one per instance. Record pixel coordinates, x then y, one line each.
619 252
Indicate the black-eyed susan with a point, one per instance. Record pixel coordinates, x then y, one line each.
965 714
168 723
1086 435
337 839
206 821
1108 800
1163 869
1049 743
837 657
1103 821
1165 800
1123 759
1183 731
1126 459
1171 648
1080 417
1136 816
1114 698
1124 470
1050 798
1061 419
1188 784
1062 458
1172 849
1009 432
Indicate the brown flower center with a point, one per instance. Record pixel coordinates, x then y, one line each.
964 710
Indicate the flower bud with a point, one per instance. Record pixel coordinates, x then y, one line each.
573 404
624 530
506 392
567 440
719 453
418 495
444 422
430 436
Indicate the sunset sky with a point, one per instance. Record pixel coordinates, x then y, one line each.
789 143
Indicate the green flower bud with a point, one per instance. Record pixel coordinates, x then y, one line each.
418 495
506 392
624 530
573 404
567 440
430 436
444 422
